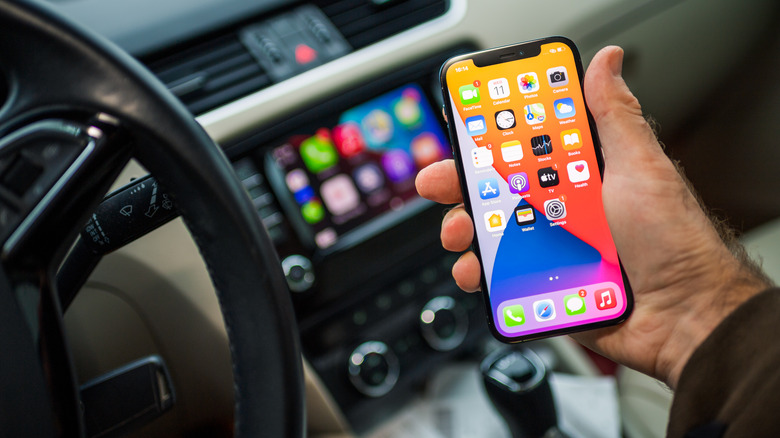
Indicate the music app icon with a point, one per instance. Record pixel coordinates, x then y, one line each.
605 298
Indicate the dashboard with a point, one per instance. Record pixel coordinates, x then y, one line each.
328 109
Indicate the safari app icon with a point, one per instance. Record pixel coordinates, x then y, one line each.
544 310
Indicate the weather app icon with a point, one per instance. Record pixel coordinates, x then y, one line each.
564 108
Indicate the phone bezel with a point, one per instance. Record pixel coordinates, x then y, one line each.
501 55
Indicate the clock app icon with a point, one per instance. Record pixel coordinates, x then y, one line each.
505 119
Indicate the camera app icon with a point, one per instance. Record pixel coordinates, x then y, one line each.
558 76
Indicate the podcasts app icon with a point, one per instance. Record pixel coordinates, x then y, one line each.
518 182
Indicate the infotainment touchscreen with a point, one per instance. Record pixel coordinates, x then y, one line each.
355 176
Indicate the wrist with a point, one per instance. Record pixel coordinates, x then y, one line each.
711 298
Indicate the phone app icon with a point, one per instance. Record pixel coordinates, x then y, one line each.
398 165
468 94
578 171
488 188
554 209
369 178
481 157
340 194
511 151
525 215
348 139
518 182
544 310
505 119
514 315
548 177
571 139
558 76
605 299
475 125
574 304
528 82
312 211
534 113
495 221
498 88
318 152
541 145
564 108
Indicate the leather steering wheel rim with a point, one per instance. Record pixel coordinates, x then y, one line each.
56 69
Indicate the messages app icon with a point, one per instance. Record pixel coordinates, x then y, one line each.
574 304
514 315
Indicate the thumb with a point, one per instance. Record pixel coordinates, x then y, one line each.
626 138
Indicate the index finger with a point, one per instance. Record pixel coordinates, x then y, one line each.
439 183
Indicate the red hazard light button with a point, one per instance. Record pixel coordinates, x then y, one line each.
304 54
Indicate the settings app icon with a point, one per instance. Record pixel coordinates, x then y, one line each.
554 209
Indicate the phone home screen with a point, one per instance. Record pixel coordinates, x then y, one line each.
533 183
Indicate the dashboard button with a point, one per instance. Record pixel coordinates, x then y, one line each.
373 368
444 323
299 273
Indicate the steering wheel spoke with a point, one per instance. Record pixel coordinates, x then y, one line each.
52 172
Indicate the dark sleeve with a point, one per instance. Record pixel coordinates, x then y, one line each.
730 387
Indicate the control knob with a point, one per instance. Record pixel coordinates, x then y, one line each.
444 323
299 272
373 368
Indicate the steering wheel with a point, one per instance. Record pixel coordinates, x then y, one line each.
75 109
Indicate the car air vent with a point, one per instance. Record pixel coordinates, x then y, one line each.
211 74
363 22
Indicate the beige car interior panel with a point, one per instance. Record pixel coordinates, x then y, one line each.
154 296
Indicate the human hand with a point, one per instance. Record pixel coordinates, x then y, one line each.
684 278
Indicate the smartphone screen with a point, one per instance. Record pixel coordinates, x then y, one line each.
530 169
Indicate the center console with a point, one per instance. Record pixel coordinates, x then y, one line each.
377 308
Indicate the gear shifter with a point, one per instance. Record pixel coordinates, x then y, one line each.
517 384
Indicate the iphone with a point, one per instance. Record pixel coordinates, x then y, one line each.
530 169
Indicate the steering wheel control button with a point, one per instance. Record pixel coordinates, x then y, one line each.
444 323
127 214
373 368
299 273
